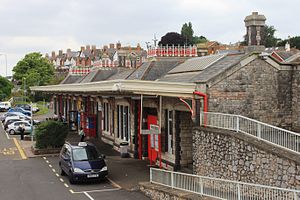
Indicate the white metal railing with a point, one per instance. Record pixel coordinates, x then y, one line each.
220 188
272 134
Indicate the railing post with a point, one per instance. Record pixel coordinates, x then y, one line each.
172 180
201 186
237 123
151 175
295 196
239 191
259 130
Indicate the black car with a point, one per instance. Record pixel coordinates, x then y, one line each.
82 162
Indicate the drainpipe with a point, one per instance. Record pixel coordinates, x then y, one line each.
205 105
205 99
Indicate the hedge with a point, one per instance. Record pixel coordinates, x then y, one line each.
51 134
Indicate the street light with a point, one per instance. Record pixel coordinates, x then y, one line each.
2 54
24 78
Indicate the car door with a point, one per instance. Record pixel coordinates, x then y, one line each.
65 159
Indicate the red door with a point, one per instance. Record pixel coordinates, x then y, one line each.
153 141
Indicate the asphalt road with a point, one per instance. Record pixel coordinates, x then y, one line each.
37 178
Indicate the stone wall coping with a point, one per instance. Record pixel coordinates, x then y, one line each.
260 144
174 192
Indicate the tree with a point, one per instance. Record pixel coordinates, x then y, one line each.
187 32
199 39
172 38
5 88
268 38
35 69
293 41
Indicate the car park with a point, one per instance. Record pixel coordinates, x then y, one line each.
5 105
82 162
9 114
13 128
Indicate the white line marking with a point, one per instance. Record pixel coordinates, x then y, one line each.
7 135
50 166
71 191
66 185
53 170
62 180
114 183
47 161
104 190
86 194
57 174
44 158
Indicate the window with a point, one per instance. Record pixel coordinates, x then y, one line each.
106 122
123 122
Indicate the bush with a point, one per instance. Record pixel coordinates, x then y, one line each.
51 134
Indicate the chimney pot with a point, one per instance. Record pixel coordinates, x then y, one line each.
111 46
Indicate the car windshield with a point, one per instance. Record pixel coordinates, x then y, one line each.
84 154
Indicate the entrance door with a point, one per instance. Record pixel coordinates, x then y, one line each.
153 141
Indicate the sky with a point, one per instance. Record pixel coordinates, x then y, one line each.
51 25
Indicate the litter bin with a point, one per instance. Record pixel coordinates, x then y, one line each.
124 150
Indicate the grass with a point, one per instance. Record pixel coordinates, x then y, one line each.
40 104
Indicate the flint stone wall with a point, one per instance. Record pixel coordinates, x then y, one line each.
235 156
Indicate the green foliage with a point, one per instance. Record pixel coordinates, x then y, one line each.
5 88
187 32
199 39
51 134
268 38
294 42
33 70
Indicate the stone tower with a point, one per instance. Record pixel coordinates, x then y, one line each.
255 24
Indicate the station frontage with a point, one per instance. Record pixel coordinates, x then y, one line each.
155 119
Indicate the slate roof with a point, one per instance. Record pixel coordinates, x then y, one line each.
285 54
139 72
205 70
196 64
71 79
122 73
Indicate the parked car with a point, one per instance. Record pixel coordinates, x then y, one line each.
13 128
4 106
8 114
28 107
21 110
12 119
82 162
9 121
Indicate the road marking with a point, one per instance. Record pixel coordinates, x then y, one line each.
8 151
44 158
50 166
86 194
23 156
7 135
66 185
62 180
47 161
104 190
113 183
57 174
71 191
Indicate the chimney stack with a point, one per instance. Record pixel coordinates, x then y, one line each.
60 52
53 54
88 47
93 47
111 46
82 48
118 45
255 24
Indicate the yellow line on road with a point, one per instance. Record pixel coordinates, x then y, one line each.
23 156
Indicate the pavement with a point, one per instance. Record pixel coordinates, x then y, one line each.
125 173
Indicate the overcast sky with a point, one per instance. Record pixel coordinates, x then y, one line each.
46 25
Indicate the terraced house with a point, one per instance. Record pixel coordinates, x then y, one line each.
154 107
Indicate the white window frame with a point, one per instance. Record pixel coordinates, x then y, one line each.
123 113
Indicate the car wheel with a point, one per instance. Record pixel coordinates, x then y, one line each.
12 131
61 171
71 179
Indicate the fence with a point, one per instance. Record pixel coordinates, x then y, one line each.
220 188
272 134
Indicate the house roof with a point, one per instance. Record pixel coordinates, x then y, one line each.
71 79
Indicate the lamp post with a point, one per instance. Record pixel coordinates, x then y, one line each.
2 54
24 78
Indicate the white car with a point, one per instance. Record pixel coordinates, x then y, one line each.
13 128
4 106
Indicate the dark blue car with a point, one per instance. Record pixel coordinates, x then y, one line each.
82 162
